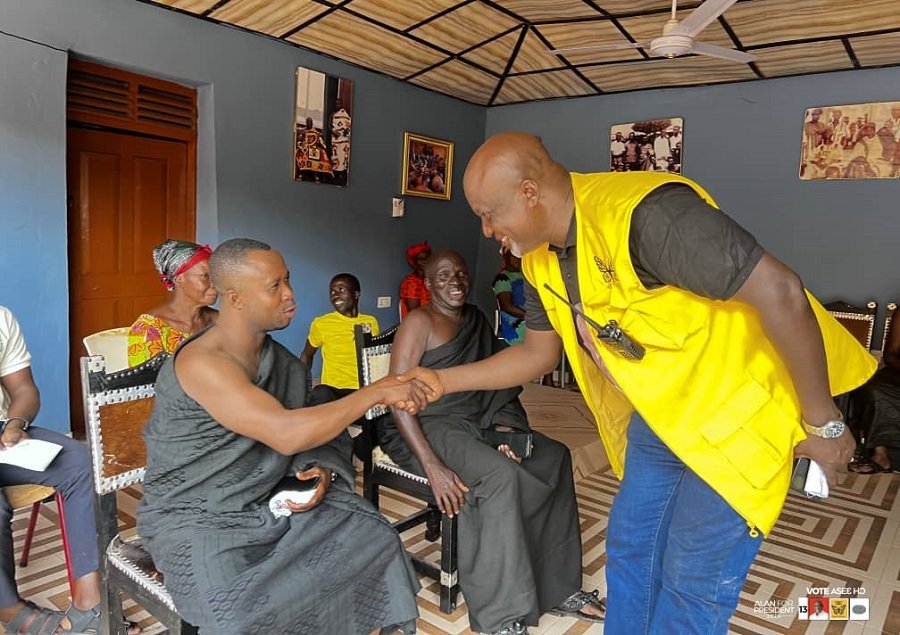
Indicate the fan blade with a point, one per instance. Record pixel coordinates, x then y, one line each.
701 17
713 50
601 47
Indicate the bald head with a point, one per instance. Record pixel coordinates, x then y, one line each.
504 161
521 194
434 262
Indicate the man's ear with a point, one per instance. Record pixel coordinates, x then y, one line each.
531 190
233 297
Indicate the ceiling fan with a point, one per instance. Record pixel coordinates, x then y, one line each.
678 37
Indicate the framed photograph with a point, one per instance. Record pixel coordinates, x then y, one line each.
859 141
323 114
650 146
427 166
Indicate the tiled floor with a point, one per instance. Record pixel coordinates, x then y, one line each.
850 540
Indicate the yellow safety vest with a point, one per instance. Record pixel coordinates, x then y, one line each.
711 385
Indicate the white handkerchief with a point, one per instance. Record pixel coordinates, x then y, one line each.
816 483
31 454
278 503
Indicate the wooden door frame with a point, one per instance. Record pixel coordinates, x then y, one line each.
130 104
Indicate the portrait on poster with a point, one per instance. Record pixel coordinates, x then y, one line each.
323 114
655 145
857 141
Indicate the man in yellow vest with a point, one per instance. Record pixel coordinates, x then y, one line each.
716 370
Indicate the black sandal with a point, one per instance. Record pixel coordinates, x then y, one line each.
577 601
866 467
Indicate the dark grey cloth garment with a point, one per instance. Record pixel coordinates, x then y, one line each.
518 532
231 566
878 402
676 238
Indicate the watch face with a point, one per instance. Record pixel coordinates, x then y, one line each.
833 429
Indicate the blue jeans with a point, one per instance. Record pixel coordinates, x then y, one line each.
677 553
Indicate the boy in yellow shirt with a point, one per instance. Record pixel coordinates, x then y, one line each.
333 333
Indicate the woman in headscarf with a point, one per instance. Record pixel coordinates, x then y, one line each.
184 270
413 293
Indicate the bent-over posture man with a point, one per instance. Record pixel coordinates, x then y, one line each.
69 474
738 374
228 425
519 538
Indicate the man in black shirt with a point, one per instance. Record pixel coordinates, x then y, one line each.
734 364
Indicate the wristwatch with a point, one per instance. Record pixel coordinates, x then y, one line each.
829 430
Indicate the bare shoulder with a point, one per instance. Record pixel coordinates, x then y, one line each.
205 369
417 321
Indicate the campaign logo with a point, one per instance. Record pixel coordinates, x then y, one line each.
859 608
773 608
839 608
822 608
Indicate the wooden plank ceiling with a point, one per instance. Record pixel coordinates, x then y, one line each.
493 52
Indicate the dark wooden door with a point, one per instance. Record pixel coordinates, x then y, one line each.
127 194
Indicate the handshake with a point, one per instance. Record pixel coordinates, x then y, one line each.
411 391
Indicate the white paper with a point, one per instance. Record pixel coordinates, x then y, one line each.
31 454
816 483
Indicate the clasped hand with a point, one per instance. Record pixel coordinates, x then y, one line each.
11 436
323 476
832 455
411 391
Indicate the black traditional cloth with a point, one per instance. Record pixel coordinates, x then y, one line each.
878 401
231 566
518 533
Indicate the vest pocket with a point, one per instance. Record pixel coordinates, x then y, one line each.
753 433
652 332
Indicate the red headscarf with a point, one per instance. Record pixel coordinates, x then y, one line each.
414 250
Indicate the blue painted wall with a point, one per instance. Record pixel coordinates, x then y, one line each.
33 274
246 86
742 143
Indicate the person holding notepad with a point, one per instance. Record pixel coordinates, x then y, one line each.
69 473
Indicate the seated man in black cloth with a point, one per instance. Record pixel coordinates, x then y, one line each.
519 538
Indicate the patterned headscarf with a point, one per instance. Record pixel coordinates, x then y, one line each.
173 257
414 250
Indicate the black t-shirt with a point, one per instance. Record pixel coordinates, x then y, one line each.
676 239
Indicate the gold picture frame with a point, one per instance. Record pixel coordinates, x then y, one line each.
427 166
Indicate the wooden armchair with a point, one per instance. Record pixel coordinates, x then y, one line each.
116 408
888 320
860 321
373 358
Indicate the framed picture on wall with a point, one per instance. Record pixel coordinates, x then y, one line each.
650 146
323 113
859 141
427 166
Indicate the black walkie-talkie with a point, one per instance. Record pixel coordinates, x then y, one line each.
611 335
